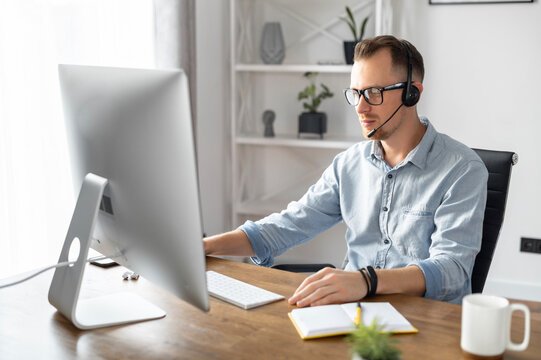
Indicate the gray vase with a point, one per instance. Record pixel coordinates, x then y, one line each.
272 49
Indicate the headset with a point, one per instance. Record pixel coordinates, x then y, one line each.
410 94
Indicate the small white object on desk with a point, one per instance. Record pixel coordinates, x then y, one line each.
238 292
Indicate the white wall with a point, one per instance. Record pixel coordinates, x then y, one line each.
481 86
213 146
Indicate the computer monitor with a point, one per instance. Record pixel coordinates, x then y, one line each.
132 155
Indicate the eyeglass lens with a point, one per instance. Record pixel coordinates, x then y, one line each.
372 95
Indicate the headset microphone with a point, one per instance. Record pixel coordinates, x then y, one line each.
371 133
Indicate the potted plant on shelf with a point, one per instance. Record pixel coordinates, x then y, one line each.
349 46
371 343
312 121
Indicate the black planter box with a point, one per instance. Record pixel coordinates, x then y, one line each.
312 123
349 51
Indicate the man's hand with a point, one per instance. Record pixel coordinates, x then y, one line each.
330 286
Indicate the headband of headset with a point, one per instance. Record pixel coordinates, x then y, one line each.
410 95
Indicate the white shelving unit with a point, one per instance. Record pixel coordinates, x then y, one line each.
269 172
330 142
297 68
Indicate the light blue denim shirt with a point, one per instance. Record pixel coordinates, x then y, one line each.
426 211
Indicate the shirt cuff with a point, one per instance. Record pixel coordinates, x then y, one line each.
262 253
432 276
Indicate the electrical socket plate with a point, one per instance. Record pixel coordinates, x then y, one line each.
530 245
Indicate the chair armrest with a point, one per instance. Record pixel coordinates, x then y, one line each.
299 268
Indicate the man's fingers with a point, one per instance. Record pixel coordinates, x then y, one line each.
310 279
313 285
304 290
332 298
329 286
315 295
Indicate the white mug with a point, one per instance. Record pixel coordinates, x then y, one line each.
486 325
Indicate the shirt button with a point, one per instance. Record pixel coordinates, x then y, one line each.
386 241
390 176
385 208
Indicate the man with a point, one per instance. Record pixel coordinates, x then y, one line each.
412 199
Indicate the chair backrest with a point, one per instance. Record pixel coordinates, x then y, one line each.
498 164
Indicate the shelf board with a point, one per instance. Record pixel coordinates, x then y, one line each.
299 68
328 142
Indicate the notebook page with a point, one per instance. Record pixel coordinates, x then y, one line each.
318 320
386 314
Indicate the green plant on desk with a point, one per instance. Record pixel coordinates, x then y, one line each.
371 343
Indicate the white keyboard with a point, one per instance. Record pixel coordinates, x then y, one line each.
237 292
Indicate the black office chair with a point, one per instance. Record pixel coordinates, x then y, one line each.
498 164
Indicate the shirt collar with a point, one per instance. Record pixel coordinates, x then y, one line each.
418 156
376 152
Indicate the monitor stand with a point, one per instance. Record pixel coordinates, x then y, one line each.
109 310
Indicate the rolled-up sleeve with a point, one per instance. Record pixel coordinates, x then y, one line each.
315 212
457 237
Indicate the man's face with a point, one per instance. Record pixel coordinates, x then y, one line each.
377 71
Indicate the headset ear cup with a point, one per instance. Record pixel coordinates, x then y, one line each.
411 97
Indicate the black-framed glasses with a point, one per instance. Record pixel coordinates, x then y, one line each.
372 95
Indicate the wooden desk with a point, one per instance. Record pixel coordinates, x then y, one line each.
30 328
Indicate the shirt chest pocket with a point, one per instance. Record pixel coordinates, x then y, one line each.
412 235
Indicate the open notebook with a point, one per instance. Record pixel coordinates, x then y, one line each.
331 320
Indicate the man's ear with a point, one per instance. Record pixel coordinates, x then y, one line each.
418 85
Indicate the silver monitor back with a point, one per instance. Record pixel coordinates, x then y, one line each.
133 127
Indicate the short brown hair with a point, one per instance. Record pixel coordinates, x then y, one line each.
399 54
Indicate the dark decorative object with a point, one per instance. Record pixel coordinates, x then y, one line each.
349 46
349 51
268 119
272 49
313 122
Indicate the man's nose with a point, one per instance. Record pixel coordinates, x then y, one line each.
363 106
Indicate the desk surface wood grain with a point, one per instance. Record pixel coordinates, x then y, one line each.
30 328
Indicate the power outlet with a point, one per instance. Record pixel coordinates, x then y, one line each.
530 245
